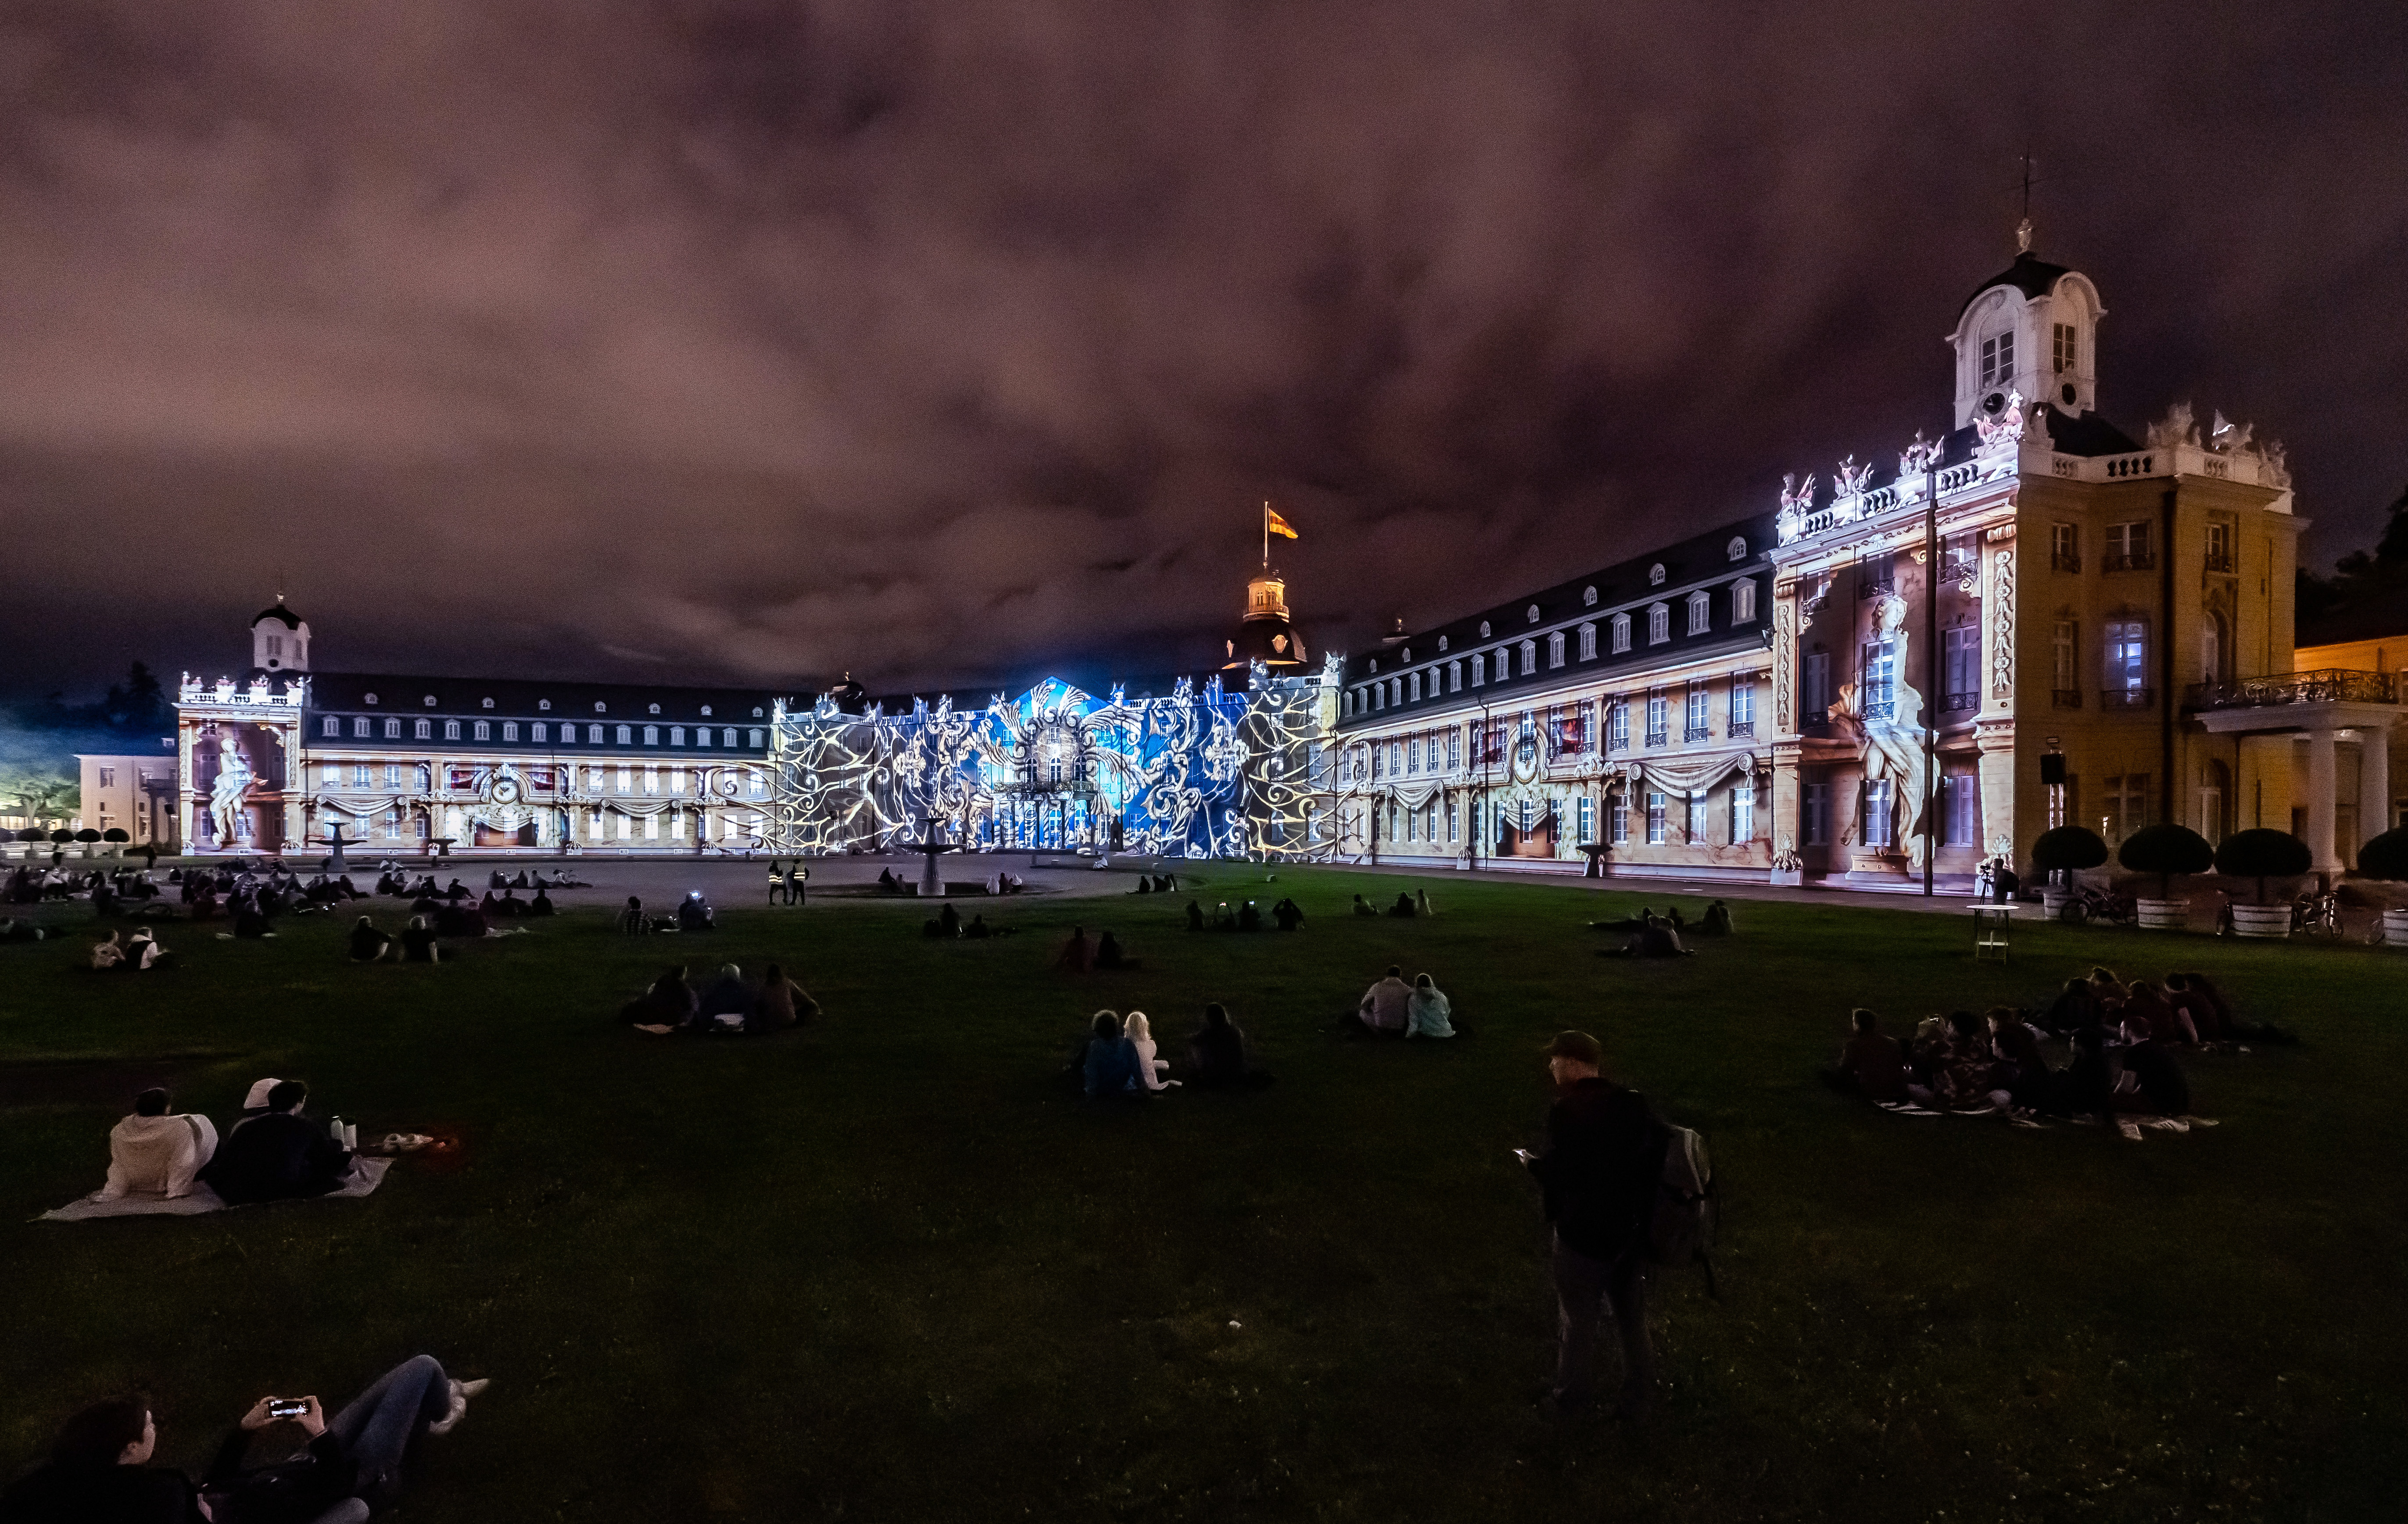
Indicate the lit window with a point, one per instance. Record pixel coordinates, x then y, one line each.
1742 812
1654 817
2127 655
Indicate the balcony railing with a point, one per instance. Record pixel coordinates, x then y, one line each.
1655 738
1959 703
1880 710
2065 698
2065 561
2129 560
2127 698
1740 729
2330 685
1619 742
1697 732
2219 561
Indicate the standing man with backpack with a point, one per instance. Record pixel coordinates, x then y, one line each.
1604 1157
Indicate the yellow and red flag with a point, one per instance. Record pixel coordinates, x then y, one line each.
1274 524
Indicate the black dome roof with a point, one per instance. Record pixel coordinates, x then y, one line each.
291 620
2028 274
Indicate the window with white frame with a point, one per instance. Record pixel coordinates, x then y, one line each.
1455 676
2061 346
1416 687
1529 656
1656 818
1878 812
626 736
1743 601
359 775
1696 826
1588 642
393 730
1617 726
484 729
594 735
1659 623
1702 606
1743 706
1658 717
540 731
360 728
1997 359
450 730
1618 819
651 735
1742 812
2127 655
1479 669
331 726
1453 749
1694 724
1587 819
1555 649
1621 633
510 730
423 730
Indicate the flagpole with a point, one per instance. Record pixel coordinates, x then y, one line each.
1267 534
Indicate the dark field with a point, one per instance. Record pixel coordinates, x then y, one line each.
886 1268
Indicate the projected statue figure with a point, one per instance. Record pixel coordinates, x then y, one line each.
226 794
1887 713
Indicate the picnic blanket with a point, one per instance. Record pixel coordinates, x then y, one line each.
367 1175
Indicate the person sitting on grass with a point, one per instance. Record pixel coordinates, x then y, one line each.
1109 1067
1221 1057
356 1457
1139 1032
1194 916
693 913
2149 1014
1288 915
2156 1088
2023 1071
1404 908
1250 918
250 916
109 956
1871 1063
1718 921
1429 1013
143 952
1363 906
726 1003
1422 902
632 920
99 1470
1382 1011
976 929
1108 954
667 1004
1655 938
157 1152
779 1004
1968 1073
541 905
418 944
949 921
368 945
2075 1006
2089 1084
1076 955
280 1155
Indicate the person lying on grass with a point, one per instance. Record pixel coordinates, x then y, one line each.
357 1454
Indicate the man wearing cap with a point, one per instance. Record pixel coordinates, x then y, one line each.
1604 1153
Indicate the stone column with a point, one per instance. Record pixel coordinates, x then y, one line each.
2000 832
2321 792
2374 784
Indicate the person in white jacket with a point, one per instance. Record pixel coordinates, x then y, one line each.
155 1151
1140 1035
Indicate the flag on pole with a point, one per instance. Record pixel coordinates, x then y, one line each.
1274 524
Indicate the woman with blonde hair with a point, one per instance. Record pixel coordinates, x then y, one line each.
1140 1035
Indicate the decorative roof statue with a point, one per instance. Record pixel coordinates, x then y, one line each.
1849 480
2228 438
1919 457
2006 430
2176 428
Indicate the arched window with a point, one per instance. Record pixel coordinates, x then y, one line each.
1659 623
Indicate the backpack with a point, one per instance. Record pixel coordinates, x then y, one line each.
1681 1224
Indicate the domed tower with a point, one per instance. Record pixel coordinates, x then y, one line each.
1265 635
2032 328
280 640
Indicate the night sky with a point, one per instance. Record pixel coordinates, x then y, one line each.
948 343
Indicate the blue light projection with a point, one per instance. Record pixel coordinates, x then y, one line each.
1203 773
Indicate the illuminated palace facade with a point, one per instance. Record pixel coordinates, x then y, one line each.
275 758
1229 764
1868 675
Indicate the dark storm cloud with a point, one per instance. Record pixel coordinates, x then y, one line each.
938 342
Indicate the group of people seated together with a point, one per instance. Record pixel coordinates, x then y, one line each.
1392 1008
1156 883
99 1468
1080 955
138 954
2121 1070
273 1152
1247 916
694 914
1406 907
672 1006
948 924
1651 936
1117 1059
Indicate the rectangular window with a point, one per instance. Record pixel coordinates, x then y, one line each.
626 736
393 776
2127 678
450 730
2219 548
1588 642
1742 812
541 731
331 726
592 734
1555 649
360 775
1453 749
1877 812
1960 560
2063 672
1654 817
627 779
1696 833
1743 706
360 728
1452 833
2127 805
1455 676
1814 691
484 731
1700 613
1618 819
1960 667
2127 548
510 730
1659 623
1379 760
1413 755
423 730
1617 732
1814 812
1621 633
1694 725
1999 358
1479 669
1416 688
651 735
1962 814
1587 819
1877 575
1743 601
2065 547
2061 348
1530 658
1658 717
1879 694
753 733
393 730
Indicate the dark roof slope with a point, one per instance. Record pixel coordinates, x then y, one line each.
529 698
289 618
2028 274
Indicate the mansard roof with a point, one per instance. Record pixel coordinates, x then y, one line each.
281 614
2029 274
534 698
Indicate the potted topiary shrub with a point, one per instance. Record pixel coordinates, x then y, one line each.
2385 857
88 836
117 838
2066 850
2165 851
2262 854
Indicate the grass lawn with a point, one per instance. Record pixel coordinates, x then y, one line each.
887 1268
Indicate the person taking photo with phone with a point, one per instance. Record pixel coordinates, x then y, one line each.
355 1456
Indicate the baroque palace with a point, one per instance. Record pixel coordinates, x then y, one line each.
1861 685
1915 662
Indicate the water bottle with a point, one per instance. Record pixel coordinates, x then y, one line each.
334 1129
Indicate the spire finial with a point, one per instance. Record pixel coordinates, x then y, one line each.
2024 228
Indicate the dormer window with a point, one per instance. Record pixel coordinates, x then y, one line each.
705 711
430 701
655 709
1483 629
1700 613
1998 358
1737 550
1621 633
757 711
1659 623
2061 349
544 705
371 698
601 709
489 704
1655 575
1532 613
1441 643
1588 597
